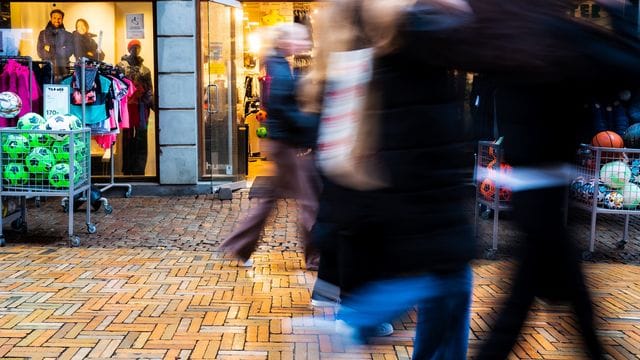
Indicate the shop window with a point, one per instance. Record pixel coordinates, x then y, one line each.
119 37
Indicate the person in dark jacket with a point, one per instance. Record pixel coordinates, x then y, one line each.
83 43
542 85
409 242
56 44
291 135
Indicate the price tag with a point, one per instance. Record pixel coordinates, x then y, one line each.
56 99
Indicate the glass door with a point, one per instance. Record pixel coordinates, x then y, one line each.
218 130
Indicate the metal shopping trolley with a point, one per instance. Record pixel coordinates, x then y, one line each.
45 163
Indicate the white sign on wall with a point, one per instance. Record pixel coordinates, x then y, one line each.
56 99
135 26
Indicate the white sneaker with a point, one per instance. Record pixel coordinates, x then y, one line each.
248 263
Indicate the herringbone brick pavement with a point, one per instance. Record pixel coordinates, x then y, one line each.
72 303
149 284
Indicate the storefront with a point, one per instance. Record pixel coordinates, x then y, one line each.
203 57
110 28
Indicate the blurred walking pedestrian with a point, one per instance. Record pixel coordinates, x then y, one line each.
291 137
409 241
544 65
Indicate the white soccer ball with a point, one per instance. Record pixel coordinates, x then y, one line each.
58 123
10 104
615 174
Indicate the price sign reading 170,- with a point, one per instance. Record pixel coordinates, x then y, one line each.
56 99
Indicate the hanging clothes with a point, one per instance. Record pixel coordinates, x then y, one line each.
15 77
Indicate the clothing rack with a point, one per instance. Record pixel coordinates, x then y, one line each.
112 70
29 60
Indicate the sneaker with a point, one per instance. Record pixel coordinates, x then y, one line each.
384 329
355 336
318 300
248 263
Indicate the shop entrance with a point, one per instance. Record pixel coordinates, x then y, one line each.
218 129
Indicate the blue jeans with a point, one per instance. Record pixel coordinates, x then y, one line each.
443 300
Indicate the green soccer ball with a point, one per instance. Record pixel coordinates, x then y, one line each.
61 150
15 146
261 132
15 174
59 175
40 161
39 139
30 121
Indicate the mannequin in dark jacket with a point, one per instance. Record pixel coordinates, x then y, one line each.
135 138
290 139
56 44
83 43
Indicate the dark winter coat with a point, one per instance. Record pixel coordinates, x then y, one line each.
285 121
61 47
85 46
421 221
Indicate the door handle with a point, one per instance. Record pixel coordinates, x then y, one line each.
213 109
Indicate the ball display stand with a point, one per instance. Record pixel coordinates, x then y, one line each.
607 182
45 163
489 195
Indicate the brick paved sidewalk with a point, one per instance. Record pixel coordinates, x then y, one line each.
201 222
149 284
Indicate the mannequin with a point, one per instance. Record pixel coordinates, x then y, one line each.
134 139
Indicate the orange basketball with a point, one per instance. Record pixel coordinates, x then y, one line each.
261 116
607 139
488 189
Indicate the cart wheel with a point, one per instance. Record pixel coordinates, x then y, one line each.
108 209
487 214
587 255
2 242
490 254
620 244
127 194
75 241
91 228
17 223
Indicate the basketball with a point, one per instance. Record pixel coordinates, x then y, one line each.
607 139
261 116
488 189
632 136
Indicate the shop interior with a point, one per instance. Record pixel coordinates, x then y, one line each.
257 18
107 21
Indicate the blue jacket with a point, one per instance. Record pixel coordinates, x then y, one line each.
285 121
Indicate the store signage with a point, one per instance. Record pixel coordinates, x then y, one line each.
56 99
135 26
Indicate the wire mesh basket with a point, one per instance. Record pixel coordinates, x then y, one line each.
607 179
44 161
490 163
491 196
